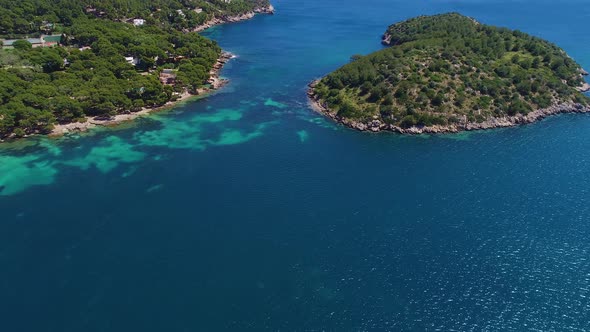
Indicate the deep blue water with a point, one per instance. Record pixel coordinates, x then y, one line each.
246 211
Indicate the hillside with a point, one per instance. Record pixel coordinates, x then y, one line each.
32 17
449 73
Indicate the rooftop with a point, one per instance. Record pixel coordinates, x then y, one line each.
9 42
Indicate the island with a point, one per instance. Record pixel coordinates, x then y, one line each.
450 73
68 65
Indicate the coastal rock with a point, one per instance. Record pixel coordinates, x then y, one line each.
376 125
265 10
386 39
234 19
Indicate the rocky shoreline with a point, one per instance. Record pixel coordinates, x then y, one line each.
377 125
91 122
233 19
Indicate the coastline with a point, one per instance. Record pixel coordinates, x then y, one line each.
503 122
215 81
234 19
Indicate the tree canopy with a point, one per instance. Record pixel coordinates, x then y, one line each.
33 16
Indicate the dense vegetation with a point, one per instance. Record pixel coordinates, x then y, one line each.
18 17
448 68
88 74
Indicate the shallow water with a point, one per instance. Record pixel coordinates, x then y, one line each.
246 211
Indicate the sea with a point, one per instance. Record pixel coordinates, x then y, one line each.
248 211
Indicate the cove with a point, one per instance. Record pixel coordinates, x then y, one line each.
247 211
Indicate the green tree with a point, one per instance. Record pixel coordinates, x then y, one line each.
22 45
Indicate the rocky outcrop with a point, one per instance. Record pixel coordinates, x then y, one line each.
265 10
376 125
214 80
386 39
233 19
584 87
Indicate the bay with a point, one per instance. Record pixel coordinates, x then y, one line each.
247 211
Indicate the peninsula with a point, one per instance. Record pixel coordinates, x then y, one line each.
73 64
449 73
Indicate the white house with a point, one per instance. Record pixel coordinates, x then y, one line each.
132 60
138 22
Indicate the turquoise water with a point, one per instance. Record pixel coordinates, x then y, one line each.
246 211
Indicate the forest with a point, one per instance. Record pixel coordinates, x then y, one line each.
30 17
89 73
448 68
